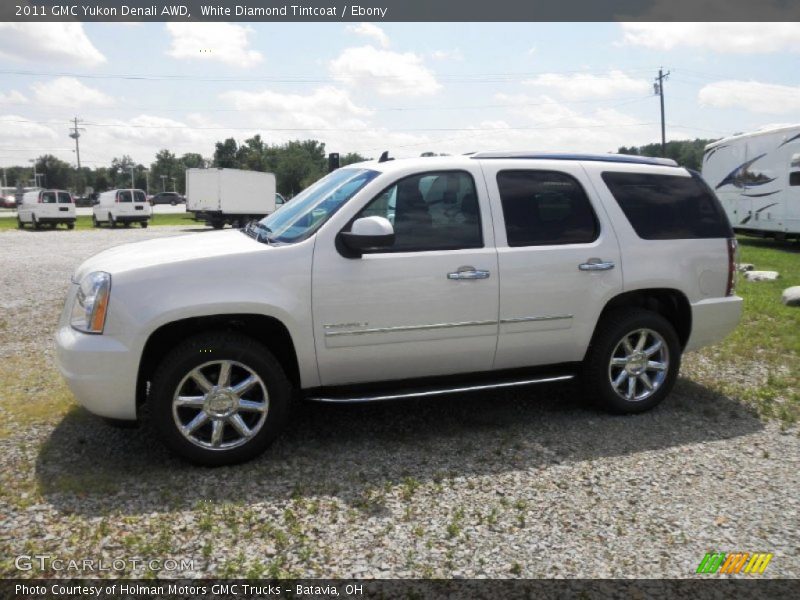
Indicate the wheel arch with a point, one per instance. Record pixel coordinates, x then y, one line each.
265 329
670 303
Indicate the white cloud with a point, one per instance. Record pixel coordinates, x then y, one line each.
16 128
371 31
729 38
768 98
389 73
454 55
544 123
68 91
62 43
584 85
12 97
223 42
324 108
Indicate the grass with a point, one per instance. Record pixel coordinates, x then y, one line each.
85 221
768 335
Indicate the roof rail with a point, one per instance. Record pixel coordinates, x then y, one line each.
617 158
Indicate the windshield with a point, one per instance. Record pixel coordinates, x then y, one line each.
307 211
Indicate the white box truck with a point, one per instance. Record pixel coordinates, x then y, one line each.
757 179
234 196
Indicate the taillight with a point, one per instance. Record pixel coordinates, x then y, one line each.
733 248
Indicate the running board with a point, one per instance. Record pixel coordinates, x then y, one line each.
434 391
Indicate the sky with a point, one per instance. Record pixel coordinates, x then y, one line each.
404 87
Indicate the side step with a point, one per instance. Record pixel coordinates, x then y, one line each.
422 392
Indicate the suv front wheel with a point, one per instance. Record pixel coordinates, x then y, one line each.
219 398
633 361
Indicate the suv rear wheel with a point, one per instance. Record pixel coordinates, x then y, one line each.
220 398
633 361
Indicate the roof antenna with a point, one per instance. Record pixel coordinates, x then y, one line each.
384 157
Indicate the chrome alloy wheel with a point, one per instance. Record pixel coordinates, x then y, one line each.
639 365
221 415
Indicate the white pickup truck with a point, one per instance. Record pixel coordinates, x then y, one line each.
401 279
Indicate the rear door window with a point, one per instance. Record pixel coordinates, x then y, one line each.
48 197
668 207
542 208
139 196
124 196
64 198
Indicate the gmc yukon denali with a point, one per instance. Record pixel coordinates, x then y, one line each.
396 279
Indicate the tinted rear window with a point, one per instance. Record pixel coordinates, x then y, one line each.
138 196
124 196
64 198
48 197
545 208
668 207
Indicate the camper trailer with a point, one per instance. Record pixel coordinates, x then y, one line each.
757 179
46 207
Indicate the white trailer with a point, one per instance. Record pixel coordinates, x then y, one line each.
757 179
234 196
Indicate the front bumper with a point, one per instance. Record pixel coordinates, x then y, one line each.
100 371
713 319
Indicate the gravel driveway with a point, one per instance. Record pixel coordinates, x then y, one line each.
511 484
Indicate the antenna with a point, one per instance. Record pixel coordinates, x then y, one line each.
384 157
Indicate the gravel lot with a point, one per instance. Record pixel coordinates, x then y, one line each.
525 483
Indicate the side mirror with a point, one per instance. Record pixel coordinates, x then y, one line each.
367 234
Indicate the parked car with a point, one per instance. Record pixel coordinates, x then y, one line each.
83 201
407 279
172 198
46 207
121 207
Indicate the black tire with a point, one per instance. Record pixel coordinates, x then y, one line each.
112 221
607 344
95 223
127 224
205 349
144 224
35 221
218 224
70 225
20 224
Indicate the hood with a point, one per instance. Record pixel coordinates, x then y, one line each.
192 247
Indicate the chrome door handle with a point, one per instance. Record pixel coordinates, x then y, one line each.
468 273
595 264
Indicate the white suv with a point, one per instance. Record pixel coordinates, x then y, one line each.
402 279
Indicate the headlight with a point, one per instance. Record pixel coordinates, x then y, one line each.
91 303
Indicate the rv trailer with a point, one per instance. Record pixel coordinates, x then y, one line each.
757 179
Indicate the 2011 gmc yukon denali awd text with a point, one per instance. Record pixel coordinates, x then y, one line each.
396 279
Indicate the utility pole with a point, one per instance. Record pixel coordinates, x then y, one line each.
75 135
658 86
35 175
163 183
133 183
173 183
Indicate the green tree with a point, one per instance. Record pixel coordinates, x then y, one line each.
687 153
350 158
166 167
225 154
54 172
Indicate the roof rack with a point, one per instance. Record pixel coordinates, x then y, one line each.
618 158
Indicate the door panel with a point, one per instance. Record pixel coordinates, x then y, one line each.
549 304
397 315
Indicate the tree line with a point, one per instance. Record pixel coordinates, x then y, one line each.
296 165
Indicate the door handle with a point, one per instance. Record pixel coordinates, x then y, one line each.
468 273
596 264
